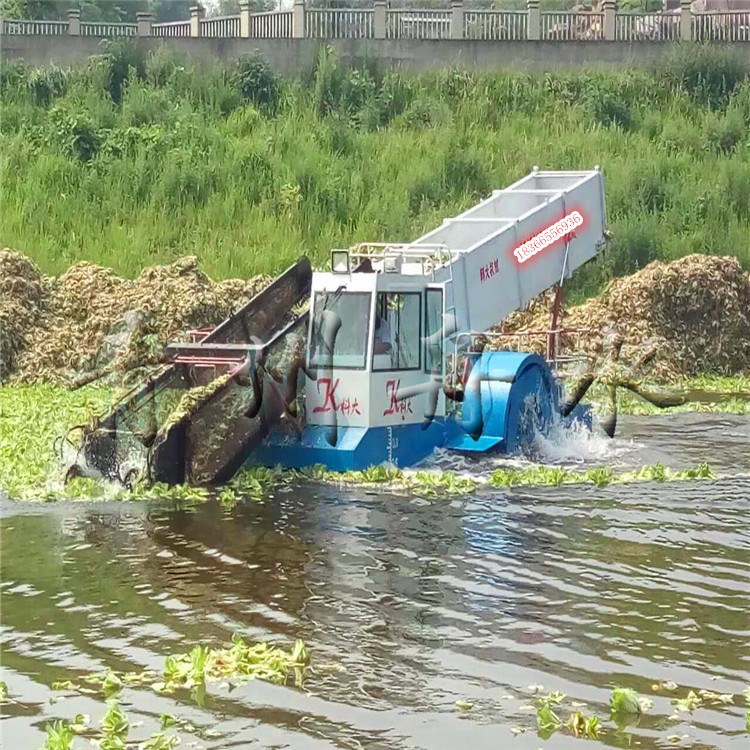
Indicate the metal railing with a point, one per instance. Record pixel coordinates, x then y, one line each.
273 25
108 29
33 28
172 29
221 26
339 24
572 26
418 24
492 24
637 27
722 27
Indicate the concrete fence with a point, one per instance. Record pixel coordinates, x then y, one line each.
382 22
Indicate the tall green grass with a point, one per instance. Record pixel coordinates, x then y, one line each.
129 161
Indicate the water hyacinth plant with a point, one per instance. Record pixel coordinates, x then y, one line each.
626 702
204 664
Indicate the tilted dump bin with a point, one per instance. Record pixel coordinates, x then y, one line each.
519 242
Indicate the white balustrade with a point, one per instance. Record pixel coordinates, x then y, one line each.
172 29
273 25
221 26
332 23
490 25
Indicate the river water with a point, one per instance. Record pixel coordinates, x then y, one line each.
407 605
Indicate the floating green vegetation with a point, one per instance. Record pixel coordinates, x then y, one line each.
3 693
577 724
600 476
625 702
33 419
203 664
112 733
556 713
708 393
240 663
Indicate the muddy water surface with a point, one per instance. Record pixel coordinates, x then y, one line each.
416 604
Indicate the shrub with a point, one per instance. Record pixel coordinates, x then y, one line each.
75 132
606 108
161 66
328 81
12 76
145 105
466 173
426 111
709 74
122 60
256 82
395 95
722 133
46 84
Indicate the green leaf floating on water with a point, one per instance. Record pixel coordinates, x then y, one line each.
59 736
547 720
160 741
112 683
584 726
114 723
689 703
464 705
626 701
3 693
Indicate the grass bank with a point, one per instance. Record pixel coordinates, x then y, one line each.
130 161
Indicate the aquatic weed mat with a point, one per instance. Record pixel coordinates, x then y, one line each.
33 422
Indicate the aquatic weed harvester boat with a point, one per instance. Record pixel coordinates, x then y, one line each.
386 364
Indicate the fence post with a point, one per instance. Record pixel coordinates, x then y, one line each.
609 9
245 19
457 19
298 19
74 22
534 20
197 14
379 11
144 19
686 21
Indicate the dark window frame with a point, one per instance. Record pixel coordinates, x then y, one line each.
427 292
367 342
416 368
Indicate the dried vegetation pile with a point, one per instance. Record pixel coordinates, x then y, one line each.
696 309
57 329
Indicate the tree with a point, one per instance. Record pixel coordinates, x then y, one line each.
232 7
95 10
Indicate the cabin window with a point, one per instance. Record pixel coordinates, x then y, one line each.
396 331
339 330
433 331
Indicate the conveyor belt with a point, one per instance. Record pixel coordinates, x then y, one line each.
199 418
